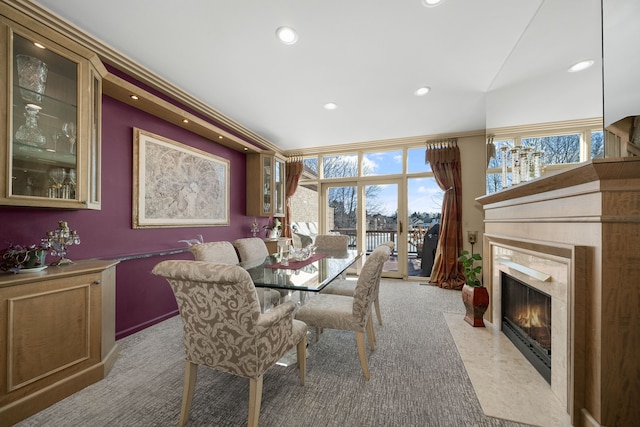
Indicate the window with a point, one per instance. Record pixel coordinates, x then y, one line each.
559 148
344 166
416 160
382 163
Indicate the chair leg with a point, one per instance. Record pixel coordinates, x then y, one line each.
371 334
376 304
255 398
190 377
301 353
362 354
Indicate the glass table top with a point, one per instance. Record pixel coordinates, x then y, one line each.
311 277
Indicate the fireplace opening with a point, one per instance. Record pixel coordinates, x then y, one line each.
526 321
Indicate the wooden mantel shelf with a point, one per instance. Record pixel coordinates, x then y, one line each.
599 174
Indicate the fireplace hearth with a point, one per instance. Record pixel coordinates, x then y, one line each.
526 321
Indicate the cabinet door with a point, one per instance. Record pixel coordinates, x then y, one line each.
267 183
52 123
279 187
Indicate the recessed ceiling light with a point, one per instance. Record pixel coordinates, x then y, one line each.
219 136
185 121
134 97
330 106
36 44
432 3
287 35
422 91
582 65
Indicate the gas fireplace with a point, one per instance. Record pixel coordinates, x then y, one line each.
526 321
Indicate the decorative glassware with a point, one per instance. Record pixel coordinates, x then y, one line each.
515 172
59 240
32 77
503 156
57 176
537 165
29 133
69 130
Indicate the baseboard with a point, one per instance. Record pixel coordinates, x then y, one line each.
139 327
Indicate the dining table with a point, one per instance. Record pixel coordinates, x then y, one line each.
299 278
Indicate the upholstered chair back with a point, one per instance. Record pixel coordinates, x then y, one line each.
368 283
251 248
331 242
223 326
221 252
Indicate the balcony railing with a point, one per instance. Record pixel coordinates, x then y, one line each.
374 238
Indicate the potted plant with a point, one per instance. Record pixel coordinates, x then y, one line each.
474 296
18 257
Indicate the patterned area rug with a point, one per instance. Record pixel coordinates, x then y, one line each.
417 378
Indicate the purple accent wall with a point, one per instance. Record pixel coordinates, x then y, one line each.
141 298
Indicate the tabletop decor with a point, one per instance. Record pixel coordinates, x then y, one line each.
293 264
18 258
175 185
59 240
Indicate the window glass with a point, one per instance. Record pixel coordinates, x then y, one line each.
597 145
559 149
310 170
416 160
340 166
494 182
382 163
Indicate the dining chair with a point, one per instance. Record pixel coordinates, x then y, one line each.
224 253
251 248
331 242
225 330
350 313
348 287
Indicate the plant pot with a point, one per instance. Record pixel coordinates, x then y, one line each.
476 301
36 259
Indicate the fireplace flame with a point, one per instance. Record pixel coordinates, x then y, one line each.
530 318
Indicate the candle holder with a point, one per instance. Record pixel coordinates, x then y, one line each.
59 240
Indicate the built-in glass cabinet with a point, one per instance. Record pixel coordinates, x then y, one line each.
52 121
265 185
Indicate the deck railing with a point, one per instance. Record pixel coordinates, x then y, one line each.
374 238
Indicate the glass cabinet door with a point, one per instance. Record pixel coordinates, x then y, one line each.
52 125
266 184
45 117
278 188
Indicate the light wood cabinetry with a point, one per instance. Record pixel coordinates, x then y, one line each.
266 185
50 117
57 334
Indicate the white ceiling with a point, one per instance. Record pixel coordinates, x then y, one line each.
366 56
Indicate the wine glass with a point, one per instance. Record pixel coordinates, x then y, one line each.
69 130
57 175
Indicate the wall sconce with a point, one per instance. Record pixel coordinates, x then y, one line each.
472 238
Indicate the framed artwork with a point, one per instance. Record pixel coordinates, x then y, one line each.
175 185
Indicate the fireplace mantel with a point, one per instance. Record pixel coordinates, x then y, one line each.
594 207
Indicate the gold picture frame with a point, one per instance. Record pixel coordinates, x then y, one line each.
175 185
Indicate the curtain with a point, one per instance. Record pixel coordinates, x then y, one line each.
293 172
444 157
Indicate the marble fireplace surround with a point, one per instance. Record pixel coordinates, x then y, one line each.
591 211
554 270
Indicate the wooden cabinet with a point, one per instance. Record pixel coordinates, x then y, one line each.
57 334
50 117
266 185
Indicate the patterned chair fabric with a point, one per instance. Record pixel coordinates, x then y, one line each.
350 313
224 253
348 287
224 328
251 248
331 242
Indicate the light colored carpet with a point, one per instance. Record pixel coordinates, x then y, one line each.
417 378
